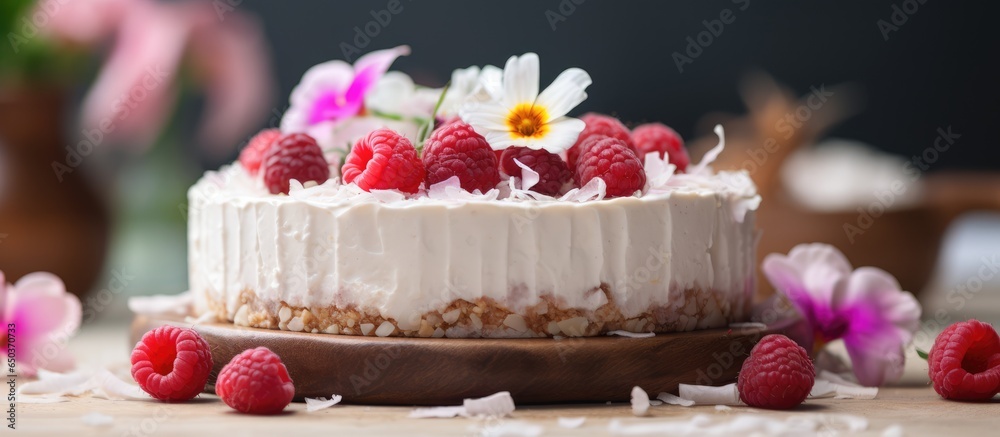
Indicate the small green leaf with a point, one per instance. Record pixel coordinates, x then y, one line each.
425 130
921 353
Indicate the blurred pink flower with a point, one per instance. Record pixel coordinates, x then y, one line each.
136 90
335 91
864 307
39 317
83 22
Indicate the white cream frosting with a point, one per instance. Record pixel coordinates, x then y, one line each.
336 245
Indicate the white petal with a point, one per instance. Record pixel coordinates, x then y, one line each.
567 91
501 140
520 79
490 85
562 134
485 117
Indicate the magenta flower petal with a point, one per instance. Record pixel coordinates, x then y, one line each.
865 308
882 320
334 91
44 316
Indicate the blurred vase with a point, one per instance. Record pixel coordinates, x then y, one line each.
48 221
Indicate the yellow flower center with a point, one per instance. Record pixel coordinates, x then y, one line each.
527 120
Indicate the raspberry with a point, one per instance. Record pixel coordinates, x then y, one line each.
255 382
455 149
598 124
613 161
294 156
658 137
384 160
171 364
964 363
778 374
253 153
552 170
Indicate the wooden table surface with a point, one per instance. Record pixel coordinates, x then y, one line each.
914 406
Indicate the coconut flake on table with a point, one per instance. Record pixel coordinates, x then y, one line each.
571 422
101 384
710 395
97 419
316 404
496 405
742 424
640 401
631 334
162 304
674 400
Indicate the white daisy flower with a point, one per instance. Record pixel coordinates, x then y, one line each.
518 115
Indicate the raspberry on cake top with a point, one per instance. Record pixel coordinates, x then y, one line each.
481 209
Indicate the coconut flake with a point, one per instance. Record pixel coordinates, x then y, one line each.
658 171
162 304
388 196
640 401
53 383
316 404
109 386
829 384
894 430
709 395
703 167
674 399
97 419
631 334
596 189
495 405
529 177
571 422
723 408
451 189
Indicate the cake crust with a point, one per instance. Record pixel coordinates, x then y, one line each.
486 318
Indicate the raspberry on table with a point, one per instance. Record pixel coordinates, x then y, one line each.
384 160
658 137
294 156
552 171
777 375
598 125
613 161
964 363
171 363
255 382
252 155
455 149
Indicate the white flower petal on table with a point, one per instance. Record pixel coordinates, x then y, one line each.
520 80
565 93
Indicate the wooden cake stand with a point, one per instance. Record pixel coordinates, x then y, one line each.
443 371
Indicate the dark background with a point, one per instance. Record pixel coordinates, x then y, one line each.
938 69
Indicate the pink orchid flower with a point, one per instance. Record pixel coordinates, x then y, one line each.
39 317
335 91
864 307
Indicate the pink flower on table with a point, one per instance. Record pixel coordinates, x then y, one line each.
335 91
864 307
43 316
